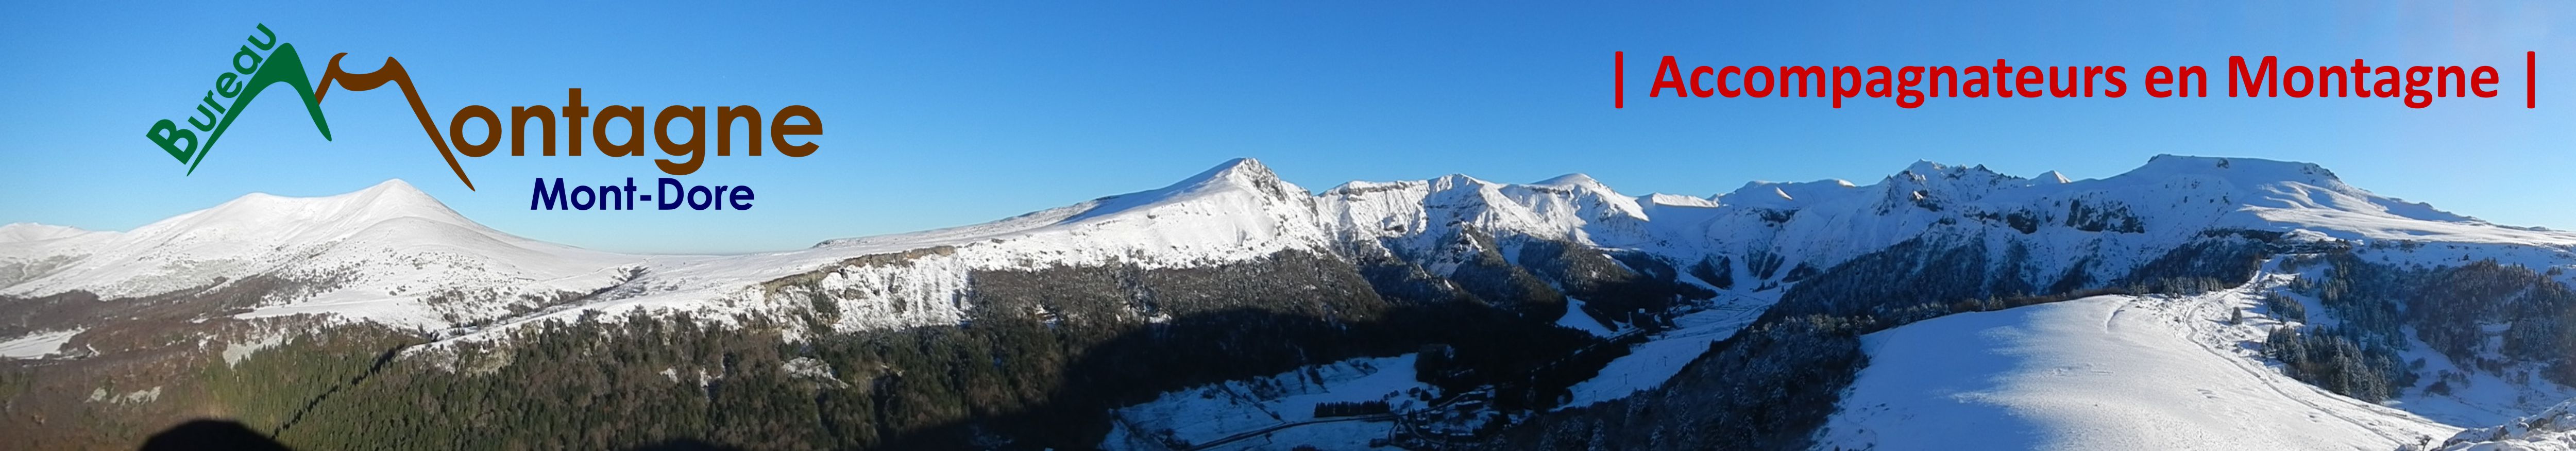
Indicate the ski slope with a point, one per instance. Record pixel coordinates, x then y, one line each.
2108 373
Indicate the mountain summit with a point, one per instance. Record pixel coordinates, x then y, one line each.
387 244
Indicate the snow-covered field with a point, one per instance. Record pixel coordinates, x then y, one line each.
2108 372
1649 364
36 344
1205 414
1575 319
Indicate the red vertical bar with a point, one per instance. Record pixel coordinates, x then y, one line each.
2530 79
1618 79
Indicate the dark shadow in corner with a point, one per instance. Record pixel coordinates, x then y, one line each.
210 434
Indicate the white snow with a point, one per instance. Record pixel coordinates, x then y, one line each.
235 353
386 253
135 397
21 232
37 344
2552 429
29 250
2109 372
1204 414
140 396
1676 200
1648 365
1576 319
809 368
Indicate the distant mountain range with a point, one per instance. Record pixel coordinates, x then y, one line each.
1235 310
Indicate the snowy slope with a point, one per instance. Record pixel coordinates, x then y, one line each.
29 250
1234 212
2552 429
2110 372
2274 195
1207 414
2118 221
1663 355
27 231
387 253
37 344
392 254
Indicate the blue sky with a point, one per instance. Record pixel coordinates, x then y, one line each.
959 113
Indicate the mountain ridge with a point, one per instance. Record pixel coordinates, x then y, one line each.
1226 212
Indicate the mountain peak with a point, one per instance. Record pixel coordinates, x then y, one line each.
334 214
1573 179
2052 177
394 186
1240 174
1926 167
390 227
1238 168
2235 166
395 196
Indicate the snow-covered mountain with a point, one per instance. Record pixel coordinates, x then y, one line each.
392 254
1656 278
388 253
28 250
28 231
1236 212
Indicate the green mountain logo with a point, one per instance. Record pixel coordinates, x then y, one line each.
279 65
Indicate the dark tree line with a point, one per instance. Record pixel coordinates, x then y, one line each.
2450 308
2330 359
